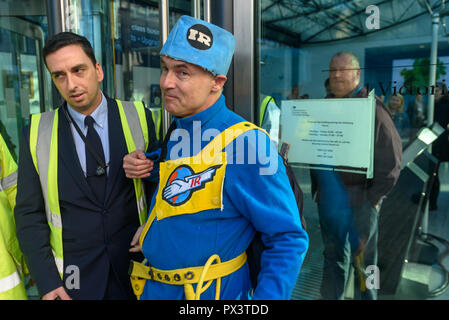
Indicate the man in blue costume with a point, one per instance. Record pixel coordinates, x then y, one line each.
220 182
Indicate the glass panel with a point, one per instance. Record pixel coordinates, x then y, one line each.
137 46
126 38
23 86
351 216
91 19
24 82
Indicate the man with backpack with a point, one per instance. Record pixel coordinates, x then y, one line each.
216 187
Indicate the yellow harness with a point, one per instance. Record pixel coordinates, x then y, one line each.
208 197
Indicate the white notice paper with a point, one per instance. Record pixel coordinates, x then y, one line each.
335 132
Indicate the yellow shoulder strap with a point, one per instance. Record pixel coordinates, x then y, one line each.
230 134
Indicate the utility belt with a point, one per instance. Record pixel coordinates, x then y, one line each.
140 273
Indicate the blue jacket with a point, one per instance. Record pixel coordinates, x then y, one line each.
251 202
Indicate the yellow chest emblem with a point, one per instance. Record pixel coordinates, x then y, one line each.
195 184
188 187
183 182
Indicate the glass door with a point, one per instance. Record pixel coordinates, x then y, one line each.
136 41
126 37
306 51
23 85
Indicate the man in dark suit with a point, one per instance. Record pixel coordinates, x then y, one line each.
76 219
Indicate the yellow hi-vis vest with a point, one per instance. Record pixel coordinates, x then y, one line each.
44 152
11 258
263 109
156 114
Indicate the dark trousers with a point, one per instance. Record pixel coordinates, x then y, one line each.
339 247
115 290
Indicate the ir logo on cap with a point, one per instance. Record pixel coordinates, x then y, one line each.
200 37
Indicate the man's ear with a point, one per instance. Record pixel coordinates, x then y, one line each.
219 82
99 71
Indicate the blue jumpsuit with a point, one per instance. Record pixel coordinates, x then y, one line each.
250 202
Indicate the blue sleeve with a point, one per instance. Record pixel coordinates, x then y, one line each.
263 194
155 156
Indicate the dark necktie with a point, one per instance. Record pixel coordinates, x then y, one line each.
96 182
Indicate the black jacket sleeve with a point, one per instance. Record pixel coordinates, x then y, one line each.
33 231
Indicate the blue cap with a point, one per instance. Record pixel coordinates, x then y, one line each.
201 43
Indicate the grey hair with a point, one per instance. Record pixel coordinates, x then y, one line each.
354 59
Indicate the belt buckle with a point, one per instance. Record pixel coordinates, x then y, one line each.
151 272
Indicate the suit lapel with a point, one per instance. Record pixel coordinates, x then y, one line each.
69 156
117 147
